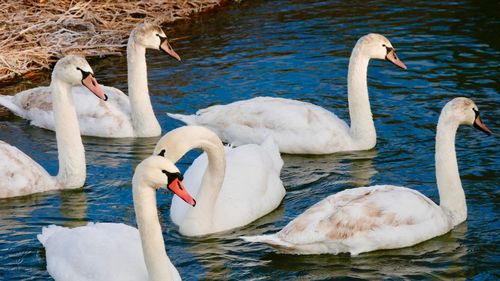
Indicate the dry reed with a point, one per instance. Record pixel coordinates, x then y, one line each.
34 34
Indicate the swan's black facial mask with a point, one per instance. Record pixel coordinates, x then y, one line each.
165 46
392 57
478 123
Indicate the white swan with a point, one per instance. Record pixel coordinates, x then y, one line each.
384 216
21 175
115 251
233 188
121 115
301 127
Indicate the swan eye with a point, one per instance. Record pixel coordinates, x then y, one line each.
85 74
172 176
162 153
383 45
476 112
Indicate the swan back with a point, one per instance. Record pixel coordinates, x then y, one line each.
96 251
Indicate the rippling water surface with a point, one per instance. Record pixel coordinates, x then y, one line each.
300 50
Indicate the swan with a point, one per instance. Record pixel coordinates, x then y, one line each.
300 127
21 175
122 115
385 216
234 186
115 251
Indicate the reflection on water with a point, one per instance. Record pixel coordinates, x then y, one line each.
295 49
300 170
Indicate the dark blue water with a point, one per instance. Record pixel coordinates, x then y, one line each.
299 50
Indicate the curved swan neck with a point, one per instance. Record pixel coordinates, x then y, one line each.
451 193
155 256
177 143
200 219
70 148
362 127
143 117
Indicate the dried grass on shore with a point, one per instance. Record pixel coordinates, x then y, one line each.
34 34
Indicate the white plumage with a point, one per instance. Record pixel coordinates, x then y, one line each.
248 188
115 251
21 175
384 216
116 117
361 220
95 117
301 127
97 251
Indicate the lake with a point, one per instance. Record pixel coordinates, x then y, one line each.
299 50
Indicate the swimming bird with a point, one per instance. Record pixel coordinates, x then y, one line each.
21 175
116 251
301 127
379 217
234 186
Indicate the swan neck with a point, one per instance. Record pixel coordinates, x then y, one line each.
362 127
199 220
451 193
155 256
71 152
143 117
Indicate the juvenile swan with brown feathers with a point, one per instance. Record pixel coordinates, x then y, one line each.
385 216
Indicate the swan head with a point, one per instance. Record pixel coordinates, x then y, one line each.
75 70
376 46
464 111
159 172
151 36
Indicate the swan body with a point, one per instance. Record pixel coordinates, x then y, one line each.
21 175
234 186
384 216
301 127
115 251
122 115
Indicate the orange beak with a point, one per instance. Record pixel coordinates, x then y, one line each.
392 57
177 187
478 124
165 46
94 87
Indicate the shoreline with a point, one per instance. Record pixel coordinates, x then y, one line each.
35 34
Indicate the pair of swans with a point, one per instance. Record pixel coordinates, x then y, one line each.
113 251
379 217
121 115
66 107
355 220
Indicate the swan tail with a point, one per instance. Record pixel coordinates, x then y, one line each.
188 119
48 231
271 239
8 102
274 152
